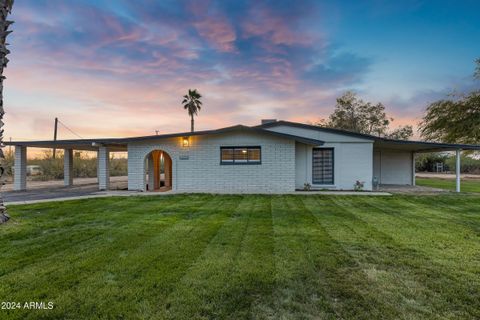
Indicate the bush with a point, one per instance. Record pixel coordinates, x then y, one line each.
467 164
427 162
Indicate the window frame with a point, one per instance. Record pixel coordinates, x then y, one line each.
333 167
248 162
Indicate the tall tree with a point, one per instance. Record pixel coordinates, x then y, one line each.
5 10
456 119
191 102
354 114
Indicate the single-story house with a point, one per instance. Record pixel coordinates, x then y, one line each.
273 157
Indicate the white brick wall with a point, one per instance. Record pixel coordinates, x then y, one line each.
103 168
202 172
68 167
20 175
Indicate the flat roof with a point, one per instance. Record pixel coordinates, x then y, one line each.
120 144
380 142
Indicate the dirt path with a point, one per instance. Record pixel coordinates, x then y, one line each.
447 176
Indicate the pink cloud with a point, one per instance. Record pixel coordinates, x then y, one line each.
213 26
218 32
263 22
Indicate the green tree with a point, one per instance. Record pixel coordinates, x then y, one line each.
401 133
454 120
5 10
354 114
191 102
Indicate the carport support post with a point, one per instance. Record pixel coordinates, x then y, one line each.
457 169
103 168
68 167
20 175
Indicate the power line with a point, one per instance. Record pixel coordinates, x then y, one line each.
66 127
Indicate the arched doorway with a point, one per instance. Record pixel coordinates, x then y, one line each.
159 171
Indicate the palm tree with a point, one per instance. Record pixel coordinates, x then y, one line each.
5 10
191 102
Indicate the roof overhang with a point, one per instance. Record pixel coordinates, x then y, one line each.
80 144
379 142
120 144
421 146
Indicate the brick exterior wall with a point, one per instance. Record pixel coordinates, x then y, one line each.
197 168
20 175
103 168
68 167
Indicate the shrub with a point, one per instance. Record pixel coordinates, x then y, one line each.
359 185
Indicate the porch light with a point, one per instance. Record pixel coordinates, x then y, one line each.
185 142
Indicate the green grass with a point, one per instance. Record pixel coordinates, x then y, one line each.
243 257
449 184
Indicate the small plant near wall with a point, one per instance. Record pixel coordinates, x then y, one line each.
307 186
358 186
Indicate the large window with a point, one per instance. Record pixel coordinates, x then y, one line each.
240 155
322 166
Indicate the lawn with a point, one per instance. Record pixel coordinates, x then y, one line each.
242 257
449 184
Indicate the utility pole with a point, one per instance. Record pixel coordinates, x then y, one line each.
55 136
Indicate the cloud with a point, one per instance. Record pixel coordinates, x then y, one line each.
218 32
119 68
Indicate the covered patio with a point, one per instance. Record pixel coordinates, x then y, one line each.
392 158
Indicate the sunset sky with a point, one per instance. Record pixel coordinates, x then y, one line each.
113 68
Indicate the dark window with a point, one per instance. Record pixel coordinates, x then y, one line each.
240 155
322 166
227 155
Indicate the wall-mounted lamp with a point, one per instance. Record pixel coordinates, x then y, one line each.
185 142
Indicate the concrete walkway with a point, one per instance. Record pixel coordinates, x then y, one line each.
105 194
50 190
39 192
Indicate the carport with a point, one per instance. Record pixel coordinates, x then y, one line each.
102 147
392 158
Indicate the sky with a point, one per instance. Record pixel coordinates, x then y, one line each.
117 68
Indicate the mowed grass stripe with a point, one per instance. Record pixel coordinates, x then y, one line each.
132 255
299 284
419 280
49 238
245 257
399 222
145 276
445 242
80 254
463 210
355 294
388 264
221 284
